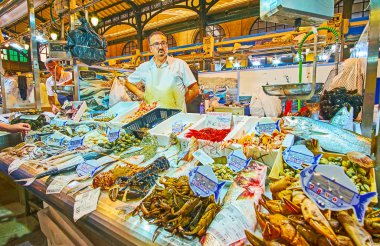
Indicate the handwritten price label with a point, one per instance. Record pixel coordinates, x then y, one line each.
15 165
58 184
86 203
201 156
218 120
113 134
75 142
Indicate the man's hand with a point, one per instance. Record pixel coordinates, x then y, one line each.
192 92
20 127
54 109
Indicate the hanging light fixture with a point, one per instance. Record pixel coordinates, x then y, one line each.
54 36
94 20
26 46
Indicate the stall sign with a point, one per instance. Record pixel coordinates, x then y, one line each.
86 203
88 168
59 183
330 188
113 134
298 156
267 127
58 122
75 142
202 157
237 161
16 163
219 120
204 183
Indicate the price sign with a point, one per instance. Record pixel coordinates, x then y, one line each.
201 156
58 122
298 155
267 127
177 127
330 188
219 120
59 183
31 137
85 203
16 163
86 116
55 140
75 142
113 134
237 161
204 183
88 168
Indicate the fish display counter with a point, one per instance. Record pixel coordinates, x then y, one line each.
123 186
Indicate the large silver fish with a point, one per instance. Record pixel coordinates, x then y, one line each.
331 138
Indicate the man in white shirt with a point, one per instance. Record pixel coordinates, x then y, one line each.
59 76
167 80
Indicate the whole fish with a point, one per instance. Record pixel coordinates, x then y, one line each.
331 138
61 168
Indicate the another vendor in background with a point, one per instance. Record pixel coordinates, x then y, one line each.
168 81
61 78
194 106
11 88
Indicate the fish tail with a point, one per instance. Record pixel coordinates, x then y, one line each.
360 208
317 158
278 125
217 191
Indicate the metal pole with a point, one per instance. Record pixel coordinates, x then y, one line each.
34 55
62 29
86 14
2 83
371 73
75 65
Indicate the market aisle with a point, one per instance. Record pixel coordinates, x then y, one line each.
16 228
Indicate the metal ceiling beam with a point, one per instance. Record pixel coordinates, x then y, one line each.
217 18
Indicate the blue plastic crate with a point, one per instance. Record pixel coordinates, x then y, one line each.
150 120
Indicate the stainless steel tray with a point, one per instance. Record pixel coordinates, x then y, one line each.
295 89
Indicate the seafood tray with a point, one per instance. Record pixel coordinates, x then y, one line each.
267 157
129 112
163 130
214 149
150 120
278 167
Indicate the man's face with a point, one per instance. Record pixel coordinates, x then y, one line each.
158 46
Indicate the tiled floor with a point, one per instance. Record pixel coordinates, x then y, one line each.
16 228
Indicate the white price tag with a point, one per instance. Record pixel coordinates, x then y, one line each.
228 226
201 156
113 134
30 137
59 183
15 165
85 203
219 120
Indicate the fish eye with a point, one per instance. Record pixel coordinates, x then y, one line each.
293 118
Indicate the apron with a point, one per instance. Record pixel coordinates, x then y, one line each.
163 87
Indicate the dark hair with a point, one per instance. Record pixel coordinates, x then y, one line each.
9 73
156 33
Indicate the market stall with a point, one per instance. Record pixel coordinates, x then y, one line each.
113 170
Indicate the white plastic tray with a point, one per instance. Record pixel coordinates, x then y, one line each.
163 130
131 110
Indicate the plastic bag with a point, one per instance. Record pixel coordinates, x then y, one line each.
117 93
86 45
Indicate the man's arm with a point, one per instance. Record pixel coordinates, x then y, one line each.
192 92
134 89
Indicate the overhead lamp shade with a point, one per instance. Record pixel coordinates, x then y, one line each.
26 46
94 20
54 36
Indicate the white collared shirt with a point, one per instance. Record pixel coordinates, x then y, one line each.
167 84
65 76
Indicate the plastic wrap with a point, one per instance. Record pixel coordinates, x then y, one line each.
86 45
